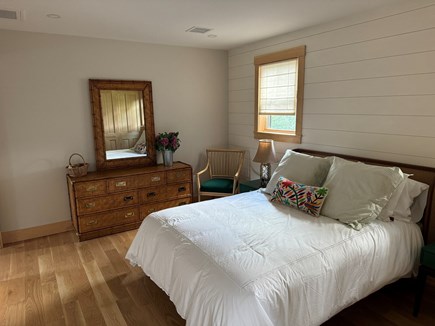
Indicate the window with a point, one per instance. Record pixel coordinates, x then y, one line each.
279 80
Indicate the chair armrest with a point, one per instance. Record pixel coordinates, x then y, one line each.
236 183
203 171
236 178
198 179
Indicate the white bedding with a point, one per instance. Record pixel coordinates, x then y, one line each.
242 260
122 153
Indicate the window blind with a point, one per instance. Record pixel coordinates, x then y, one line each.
278 88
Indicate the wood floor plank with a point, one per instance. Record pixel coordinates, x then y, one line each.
46 268
5 266
98 252
118 262
116 283
43 246
52 304
16 290
133 314
53 312
105 299
15 314
74 315
98 283
121 243
139 292
17 263
3 300
112 315
92 314
84 252
34 313
106 244
65 287
56 280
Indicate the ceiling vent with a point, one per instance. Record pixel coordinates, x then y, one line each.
11 14
201 30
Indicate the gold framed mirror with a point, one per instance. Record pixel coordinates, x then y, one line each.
123 119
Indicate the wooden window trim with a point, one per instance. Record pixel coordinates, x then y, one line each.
281 136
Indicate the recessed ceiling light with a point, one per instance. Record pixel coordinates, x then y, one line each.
54 16
212 35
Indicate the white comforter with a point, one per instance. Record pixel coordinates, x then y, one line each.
242 260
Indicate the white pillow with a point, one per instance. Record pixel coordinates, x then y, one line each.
417 209
300 168
358 192
410 206
407 202
390 207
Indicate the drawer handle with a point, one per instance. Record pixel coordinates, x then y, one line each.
151 210
121 184
91 188
129 214
91 222
180 189
128 198
182 203
155 179
151 194
90 205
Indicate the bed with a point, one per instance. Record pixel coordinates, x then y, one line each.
242 260
122 153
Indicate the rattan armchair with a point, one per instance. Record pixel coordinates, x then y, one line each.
223 167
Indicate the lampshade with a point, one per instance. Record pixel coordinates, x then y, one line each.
265 152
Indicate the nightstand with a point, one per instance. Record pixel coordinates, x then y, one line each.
252 185
427 267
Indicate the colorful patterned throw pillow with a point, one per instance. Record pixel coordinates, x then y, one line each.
308 199
140 148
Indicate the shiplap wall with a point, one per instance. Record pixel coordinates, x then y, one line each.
369 86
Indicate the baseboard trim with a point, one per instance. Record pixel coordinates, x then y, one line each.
36 232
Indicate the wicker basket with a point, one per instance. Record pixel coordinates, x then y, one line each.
78 169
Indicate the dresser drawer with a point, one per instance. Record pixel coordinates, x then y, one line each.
178 190
102 220
151 179
121 184
90 188
145 210
98 204
152 194
179 175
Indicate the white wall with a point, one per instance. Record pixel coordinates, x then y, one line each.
369 86
45 112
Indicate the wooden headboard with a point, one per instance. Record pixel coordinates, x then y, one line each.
420 173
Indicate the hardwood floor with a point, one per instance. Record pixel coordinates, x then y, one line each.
56 280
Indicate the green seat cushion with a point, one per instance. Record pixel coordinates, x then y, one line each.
217 185
428 256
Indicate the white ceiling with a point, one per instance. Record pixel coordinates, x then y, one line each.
234 22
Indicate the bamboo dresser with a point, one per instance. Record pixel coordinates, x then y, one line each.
107 202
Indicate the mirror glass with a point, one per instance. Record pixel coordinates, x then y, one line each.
123 123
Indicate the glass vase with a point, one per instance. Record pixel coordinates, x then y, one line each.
168 157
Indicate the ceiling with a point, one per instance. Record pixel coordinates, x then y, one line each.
232 22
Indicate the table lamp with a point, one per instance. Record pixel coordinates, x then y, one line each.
265 155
